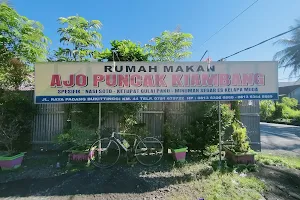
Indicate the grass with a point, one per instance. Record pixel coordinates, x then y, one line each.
269 159
206 181
222 186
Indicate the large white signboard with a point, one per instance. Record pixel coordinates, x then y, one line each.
154 81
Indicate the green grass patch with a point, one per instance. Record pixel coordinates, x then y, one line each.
269 159
222 186
208 182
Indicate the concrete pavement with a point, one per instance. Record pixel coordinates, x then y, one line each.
280 139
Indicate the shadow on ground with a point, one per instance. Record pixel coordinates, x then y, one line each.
118 179
294 148
286 130
283 183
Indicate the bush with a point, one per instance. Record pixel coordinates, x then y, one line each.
77 137
290 102
239 137
278 111
267 109
283 111
289 113
89 115
236 109
17 112
287 110
203 130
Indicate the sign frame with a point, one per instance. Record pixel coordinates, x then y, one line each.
169 98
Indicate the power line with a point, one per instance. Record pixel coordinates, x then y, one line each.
228 23
260 43
203 55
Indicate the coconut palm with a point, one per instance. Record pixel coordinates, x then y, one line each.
290 56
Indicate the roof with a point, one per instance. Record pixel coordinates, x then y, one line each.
288 89
284 84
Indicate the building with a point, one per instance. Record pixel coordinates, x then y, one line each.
290 89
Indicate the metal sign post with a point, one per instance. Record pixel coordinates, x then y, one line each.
99 125
220 136
99 134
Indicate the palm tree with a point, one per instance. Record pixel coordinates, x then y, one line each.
290 56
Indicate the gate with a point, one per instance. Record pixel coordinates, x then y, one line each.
249 111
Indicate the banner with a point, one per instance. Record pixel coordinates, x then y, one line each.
96 82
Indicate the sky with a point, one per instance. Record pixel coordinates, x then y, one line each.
141 20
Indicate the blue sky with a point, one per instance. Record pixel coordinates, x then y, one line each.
141 20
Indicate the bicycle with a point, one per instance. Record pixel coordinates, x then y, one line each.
108 150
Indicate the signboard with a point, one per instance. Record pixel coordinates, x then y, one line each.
96 82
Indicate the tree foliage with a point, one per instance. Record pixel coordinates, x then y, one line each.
124 50
81 38
170 46
22 37
22 43
267 109
286 110
240 137
17 113
290 56
290 102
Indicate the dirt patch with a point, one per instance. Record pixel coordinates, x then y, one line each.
283 183
40 179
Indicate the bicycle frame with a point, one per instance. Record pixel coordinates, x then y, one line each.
120 143
135 150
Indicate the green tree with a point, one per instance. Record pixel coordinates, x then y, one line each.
124 50
290 56
22 43
81 38
170 46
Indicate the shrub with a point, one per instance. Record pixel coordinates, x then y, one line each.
290 102
89 115
203 131
17 112
177 140
287 109
77 137
289 113
267 109
236 109
239 137
278 111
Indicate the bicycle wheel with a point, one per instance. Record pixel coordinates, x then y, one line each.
149 151
104 153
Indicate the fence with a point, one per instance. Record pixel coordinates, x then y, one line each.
51 119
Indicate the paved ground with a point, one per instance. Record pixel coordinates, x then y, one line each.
282 139
278 139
